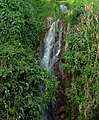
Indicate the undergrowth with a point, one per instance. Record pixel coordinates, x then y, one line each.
82 62
21 21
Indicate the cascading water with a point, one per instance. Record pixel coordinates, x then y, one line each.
51 47
52 44
49 57
50 50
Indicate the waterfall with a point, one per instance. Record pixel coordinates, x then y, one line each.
49 59
51 48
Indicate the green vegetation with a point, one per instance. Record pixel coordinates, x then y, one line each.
81 32
21 21
81 56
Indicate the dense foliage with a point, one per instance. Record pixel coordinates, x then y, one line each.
81 56
24 86
20 75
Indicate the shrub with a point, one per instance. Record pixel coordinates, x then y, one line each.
81 61
20 74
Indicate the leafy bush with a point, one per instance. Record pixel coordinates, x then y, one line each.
20 74
81 58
